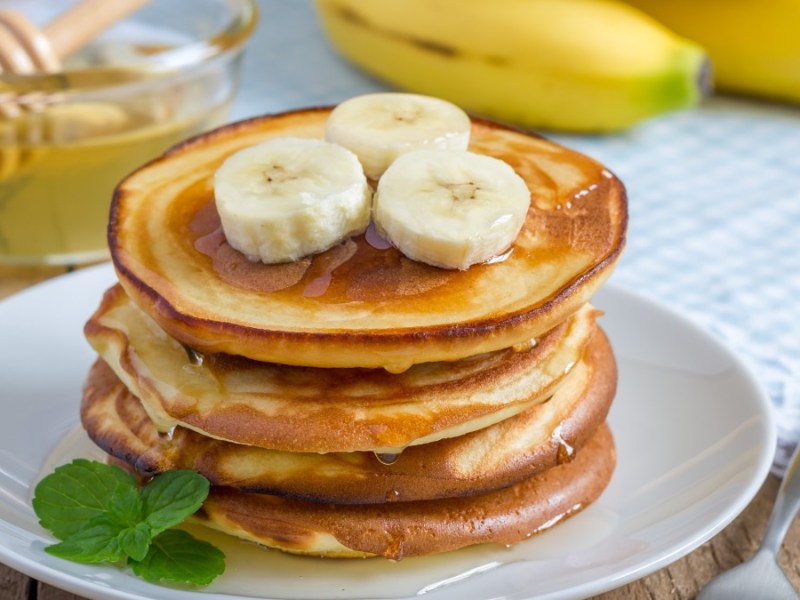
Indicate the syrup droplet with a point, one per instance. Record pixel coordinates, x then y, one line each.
374 239
387 458
557 519
195 357
394 547
209 243
565 452
169 434
397 368
323 266
392 495
500 257
317 287
525 346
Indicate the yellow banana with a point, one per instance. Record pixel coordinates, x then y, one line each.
754 46
574 65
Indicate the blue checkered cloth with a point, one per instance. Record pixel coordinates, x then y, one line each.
714 199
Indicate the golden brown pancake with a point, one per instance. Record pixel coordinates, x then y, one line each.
358 304
405 529
494 457
305 409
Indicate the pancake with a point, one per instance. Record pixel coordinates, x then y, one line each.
405 529
305 409
361 304
492 458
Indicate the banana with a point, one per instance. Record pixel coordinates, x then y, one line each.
290 197
755 47
450 208
381 127
571 65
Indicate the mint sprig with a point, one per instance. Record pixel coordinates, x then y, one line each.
100 515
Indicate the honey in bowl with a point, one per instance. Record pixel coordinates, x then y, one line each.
67 138
54 193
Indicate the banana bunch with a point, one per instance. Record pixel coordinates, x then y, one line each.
435 201
754 46
570 65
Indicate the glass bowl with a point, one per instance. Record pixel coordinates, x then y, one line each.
67 138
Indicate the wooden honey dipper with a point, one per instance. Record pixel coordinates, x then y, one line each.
27 49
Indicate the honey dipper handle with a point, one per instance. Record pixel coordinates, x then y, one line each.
76 27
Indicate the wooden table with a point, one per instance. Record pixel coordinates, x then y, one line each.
680 580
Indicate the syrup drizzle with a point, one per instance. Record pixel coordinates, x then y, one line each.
392 495
499 257
394 547
387 458
171 432
195 357
375 239
525 346
318 286
565 452
210 243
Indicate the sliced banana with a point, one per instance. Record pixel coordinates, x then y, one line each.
381 127
290 197
450 209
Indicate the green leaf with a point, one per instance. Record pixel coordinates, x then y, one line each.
135 541
177 556
171 497
126 506
97 542
69 498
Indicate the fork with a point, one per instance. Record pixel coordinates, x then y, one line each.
760 578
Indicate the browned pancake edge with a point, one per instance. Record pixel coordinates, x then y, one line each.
408 529
494 457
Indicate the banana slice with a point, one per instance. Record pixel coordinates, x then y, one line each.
450 209
290 197
381 127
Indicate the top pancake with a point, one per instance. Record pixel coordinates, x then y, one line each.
358 304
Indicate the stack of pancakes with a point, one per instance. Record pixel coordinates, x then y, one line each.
356 402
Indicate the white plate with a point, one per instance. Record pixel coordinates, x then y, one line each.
695 438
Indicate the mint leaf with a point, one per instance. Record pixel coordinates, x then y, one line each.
179 557
135 541
126 506
171 497
97 542
67 499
